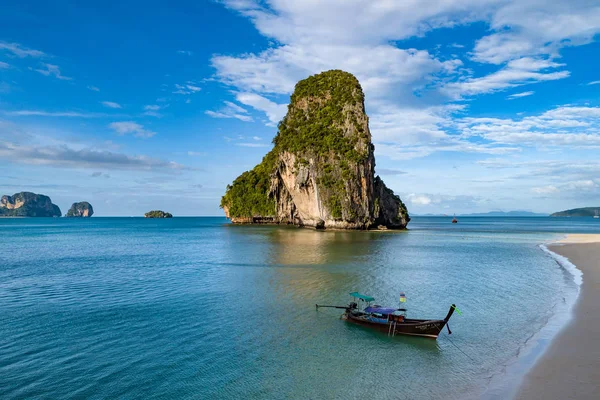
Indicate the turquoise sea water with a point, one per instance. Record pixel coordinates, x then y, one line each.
197 308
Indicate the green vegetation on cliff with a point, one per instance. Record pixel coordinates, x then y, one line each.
248 195
317 112
158 214
578 212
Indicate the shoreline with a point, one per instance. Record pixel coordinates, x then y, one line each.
568 365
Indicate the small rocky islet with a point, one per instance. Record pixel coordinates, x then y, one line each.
158 214
82 209
321 170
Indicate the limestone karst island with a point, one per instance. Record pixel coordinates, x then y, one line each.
82 209
321 170
27 204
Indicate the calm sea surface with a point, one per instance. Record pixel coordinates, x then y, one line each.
197 308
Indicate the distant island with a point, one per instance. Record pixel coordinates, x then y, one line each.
321 170
27 204
82 209
158 214
578 212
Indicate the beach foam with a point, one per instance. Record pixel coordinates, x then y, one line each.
566 264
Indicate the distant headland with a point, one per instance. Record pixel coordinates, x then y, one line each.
578 212
321 171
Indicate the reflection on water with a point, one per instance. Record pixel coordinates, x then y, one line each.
300 246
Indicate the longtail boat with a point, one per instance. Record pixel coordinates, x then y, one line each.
390 320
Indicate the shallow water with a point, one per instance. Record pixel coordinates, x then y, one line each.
196 307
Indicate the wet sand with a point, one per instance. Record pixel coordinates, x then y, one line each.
570 367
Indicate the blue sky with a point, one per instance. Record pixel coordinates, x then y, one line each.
473 105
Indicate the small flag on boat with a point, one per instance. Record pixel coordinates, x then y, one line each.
457 310
402 298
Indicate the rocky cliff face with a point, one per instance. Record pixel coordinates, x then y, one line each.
81 209
320 172
27 204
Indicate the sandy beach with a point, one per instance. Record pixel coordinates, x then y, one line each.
570 368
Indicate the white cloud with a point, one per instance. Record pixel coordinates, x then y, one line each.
587 184
380 69
196 153
21 51
275 112
389 172
550 189
235 107
230 110
518 95
402 152
535 28
111 104
152 111
185 52
412 133
562 126
130 127
516 73
409 125
66 156
577 186
152 114
39 113
4 65
54 70
186 89
373 21
93 88
594 83
418 199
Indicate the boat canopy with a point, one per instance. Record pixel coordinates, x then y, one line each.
362 296
380 310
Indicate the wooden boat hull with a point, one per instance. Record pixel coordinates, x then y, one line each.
430 329
412 327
